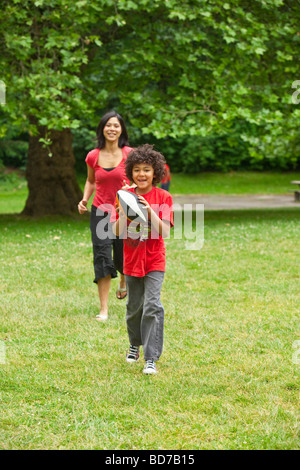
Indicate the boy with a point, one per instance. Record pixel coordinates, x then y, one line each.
144 255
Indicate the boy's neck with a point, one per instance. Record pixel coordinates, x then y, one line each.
143 191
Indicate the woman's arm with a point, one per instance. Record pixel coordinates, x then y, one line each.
89 188
119 225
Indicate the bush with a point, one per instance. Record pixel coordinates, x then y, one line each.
243 147
239 148
14 149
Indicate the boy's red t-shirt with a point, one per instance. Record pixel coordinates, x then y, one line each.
147 252
107 182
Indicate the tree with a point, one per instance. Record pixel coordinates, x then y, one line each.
199 67
44 47
174 68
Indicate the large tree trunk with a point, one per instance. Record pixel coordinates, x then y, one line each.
50 173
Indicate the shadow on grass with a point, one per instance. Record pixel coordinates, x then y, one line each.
47 219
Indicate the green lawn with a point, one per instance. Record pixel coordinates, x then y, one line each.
13 193
234 183
229 374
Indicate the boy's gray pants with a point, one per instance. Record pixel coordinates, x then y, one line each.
145 313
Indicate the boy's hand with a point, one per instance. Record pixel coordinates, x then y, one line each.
146 203
126 186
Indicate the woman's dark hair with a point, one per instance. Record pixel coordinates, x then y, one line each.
123 139
146 154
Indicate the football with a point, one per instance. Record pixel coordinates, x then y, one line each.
131 206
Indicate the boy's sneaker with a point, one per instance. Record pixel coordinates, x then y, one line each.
150 367
133 354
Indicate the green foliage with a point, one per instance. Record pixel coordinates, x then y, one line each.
13 149
84 140
198 71
226 152
45 46
177 70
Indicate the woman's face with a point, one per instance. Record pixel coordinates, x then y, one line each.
112 130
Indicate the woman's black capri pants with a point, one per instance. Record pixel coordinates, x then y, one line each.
107 248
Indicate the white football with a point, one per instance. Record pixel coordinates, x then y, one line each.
131 206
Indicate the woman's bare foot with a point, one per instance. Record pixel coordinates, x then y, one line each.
102 316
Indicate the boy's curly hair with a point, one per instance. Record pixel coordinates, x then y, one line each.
146 154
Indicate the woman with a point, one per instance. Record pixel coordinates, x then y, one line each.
106 175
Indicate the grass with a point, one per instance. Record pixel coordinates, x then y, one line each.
13 192
248 182
227 378
229 374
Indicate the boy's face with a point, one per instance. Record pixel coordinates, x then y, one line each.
142 175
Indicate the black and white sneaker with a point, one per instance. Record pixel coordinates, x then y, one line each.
133 354
150 367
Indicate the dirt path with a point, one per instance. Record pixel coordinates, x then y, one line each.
214 202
